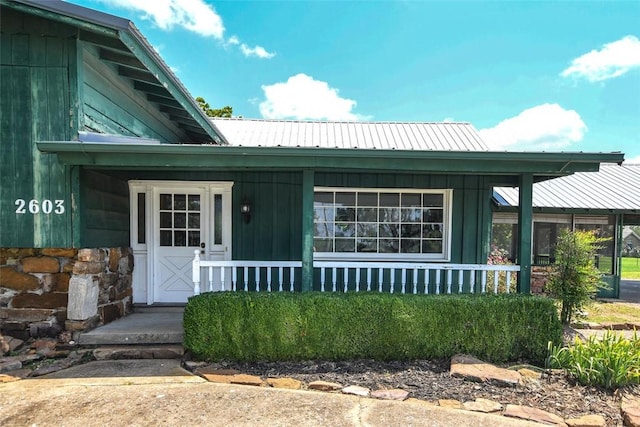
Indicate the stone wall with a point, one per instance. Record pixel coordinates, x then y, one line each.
39 289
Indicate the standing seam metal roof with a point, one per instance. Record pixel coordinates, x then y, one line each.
613 187
363 135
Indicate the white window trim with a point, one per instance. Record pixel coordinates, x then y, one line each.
444 256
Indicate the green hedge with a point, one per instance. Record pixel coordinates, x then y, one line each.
295 326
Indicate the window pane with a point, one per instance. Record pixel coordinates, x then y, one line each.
410 246
345 214
389 230
431 246
217 219
432 231
165 220
345 245
410 230
323 198
432 215
367 245
411 215
367 214
409 199
432 200
324 229
389 215
323 245
323 214
367 199
194 238
194 202
345 199
368 230
180 220
142 218
194 220
179 238
345 230
165 238
180 202
165 202
389 199
389 245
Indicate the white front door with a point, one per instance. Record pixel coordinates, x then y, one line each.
181 217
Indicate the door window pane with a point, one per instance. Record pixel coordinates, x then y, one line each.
217 219
165 202
165 238
142 218
180 220
179 238
194 202
180 202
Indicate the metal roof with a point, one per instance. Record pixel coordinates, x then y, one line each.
612 188
119 42
362 135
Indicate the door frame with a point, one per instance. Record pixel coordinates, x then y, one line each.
142 195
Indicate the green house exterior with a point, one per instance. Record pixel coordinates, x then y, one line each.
97 134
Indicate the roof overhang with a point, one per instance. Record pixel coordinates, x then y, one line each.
119 42
188 156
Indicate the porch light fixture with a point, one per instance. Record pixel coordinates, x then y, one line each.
245 211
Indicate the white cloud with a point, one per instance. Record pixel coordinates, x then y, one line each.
448 120
193 15
543 127
302 97
613 60
258 51
633 160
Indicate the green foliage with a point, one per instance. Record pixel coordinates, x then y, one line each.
225 111
610 362
334 326
575 279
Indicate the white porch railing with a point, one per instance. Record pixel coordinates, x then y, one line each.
337 276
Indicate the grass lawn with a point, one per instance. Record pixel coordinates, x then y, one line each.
631 268
618 312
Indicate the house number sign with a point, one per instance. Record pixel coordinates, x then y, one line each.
35 206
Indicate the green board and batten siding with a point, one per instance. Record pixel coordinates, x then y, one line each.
34 105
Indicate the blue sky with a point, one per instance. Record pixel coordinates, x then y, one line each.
535 75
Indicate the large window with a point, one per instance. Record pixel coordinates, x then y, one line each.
382 224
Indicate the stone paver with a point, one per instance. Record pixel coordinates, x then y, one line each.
473 369
483 405
450 403
533 414
244 379
587 421
325 386
357 390
630 409
391 394
286 383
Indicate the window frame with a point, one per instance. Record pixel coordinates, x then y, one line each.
443 256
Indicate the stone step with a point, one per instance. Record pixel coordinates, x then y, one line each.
138 352
137 329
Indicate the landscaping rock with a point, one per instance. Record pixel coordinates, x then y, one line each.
482 405
530 373
286 383
392 394
357 390
587 421
325 386
533 414
470 368
243 379
450 403
8 378
10 365
630 410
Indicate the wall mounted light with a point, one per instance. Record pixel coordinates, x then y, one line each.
245 211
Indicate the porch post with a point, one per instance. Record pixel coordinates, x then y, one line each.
307 230
525 224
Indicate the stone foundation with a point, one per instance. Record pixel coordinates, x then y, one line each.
44 291
539 278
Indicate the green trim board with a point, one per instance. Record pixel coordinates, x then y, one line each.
127 156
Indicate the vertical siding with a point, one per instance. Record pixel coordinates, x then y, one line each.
34 105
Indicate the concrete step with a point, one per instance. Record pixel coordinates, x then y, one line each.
137 329
139 308
138 352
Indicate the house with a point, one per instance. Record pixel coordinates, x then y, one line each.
112 177
630 240
605 201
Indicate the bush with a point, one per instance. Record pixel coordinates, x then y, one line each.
298 326
574 278
610 362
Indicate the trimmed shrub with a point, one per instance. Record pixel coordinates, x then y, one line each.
296 326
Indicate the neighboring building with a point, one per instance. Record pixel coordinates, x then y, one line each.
630 241
605 201
104 150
